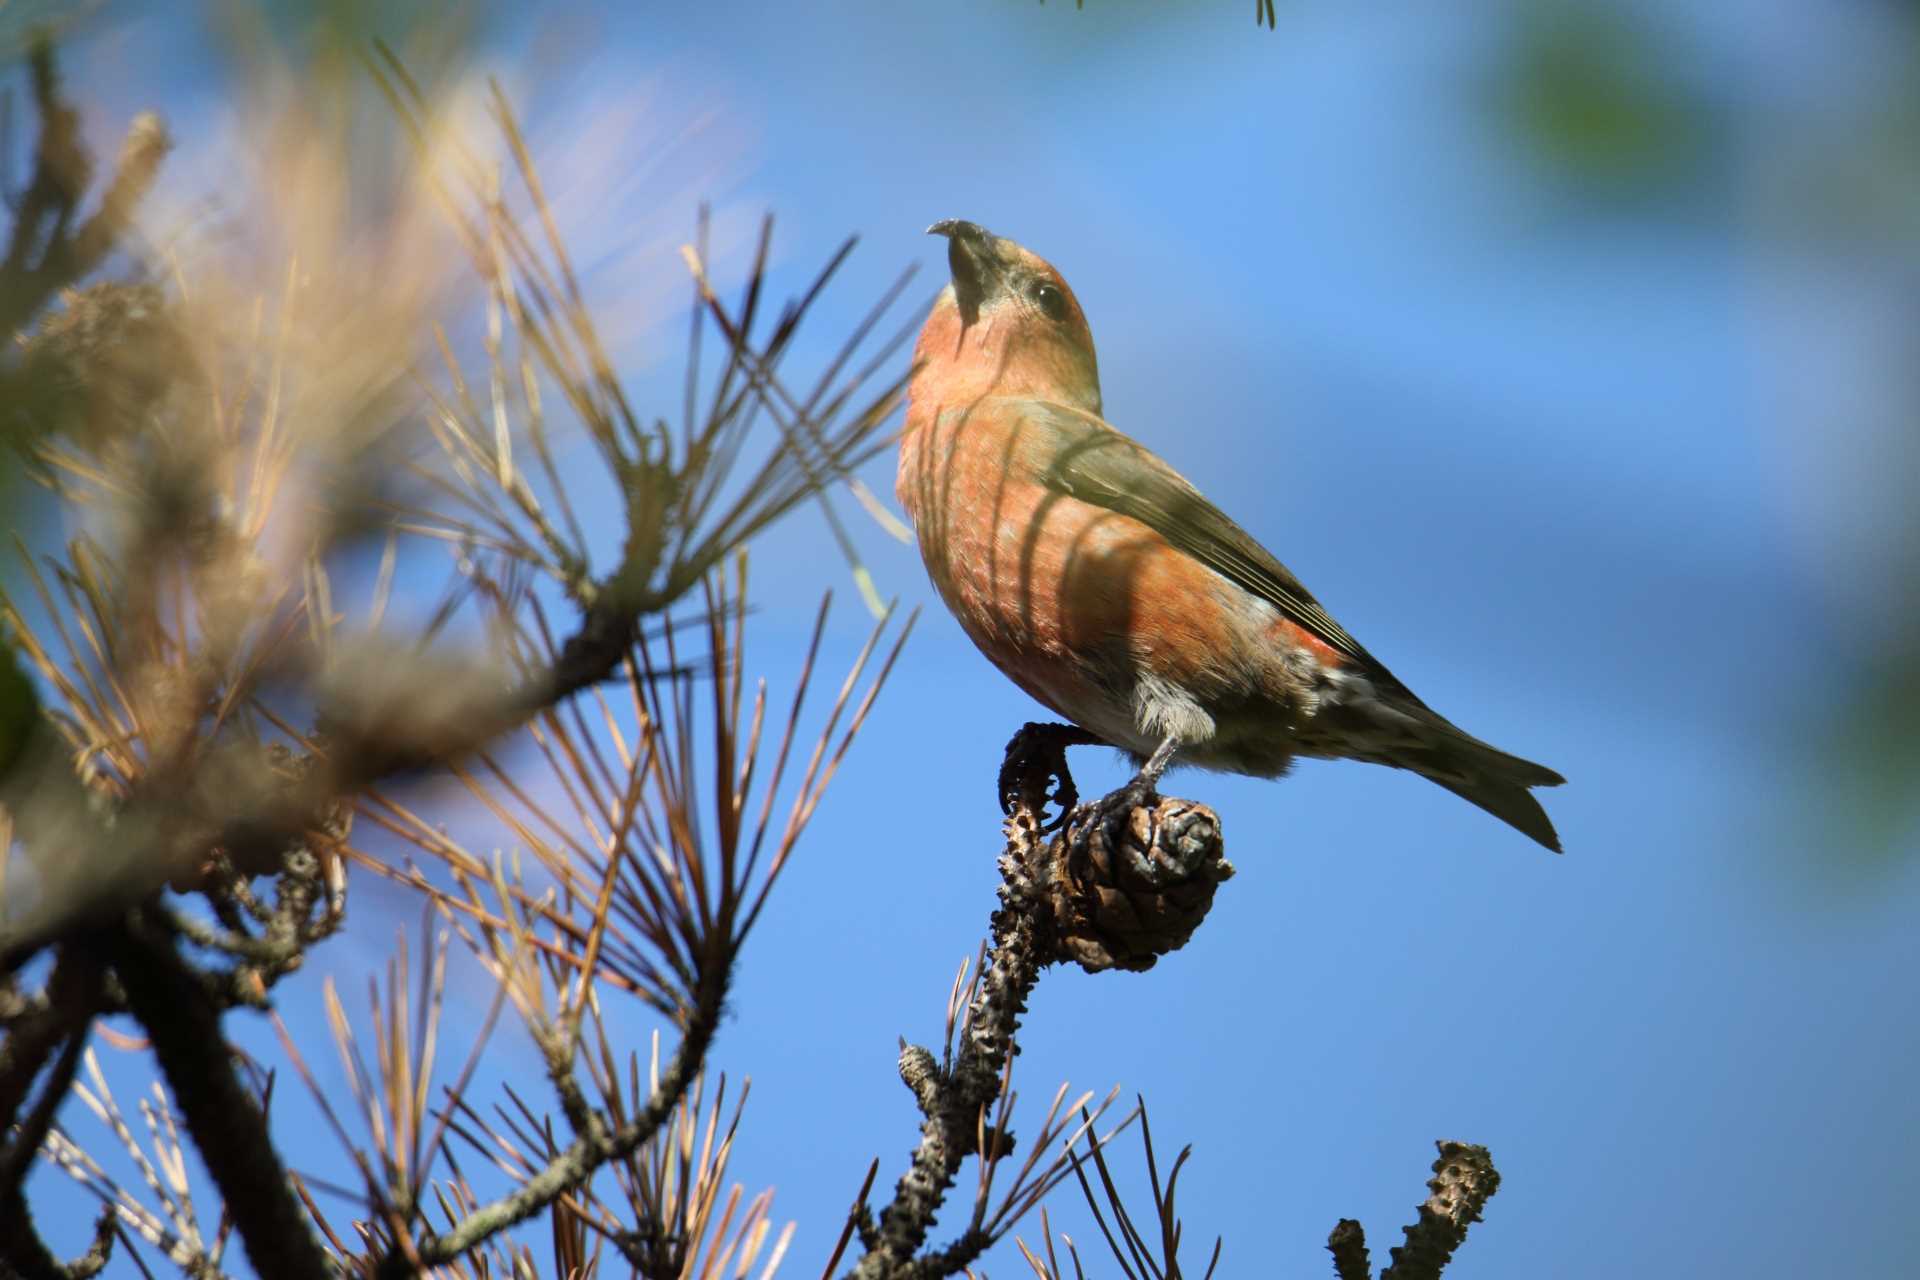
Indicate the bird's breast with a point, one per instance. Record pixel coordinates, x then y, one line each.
1073 601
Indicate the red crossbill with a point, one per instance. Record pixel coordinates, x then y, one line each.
1105 585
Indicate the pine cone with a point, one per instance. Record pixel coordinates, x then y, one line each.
1129 889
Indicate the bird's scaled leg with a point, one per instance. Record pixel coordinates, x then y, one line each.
1140 790
1043 747
1157 762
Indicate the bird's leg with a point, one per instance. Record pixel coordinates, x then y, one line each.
1043 747
1157 763
1140 790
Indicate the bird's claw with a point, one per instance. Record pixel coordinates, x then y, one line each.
1041 750
1137 793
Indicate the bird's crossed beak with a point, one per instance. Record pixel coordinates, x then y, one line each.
976 262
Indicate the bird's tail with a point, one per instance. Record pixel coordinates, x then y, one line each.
1401 731
1488 777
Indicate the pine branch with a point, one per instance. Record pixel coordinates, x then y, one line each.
227 1124
1055 902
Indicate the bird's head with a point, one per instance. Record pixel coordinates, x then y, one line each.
1008 325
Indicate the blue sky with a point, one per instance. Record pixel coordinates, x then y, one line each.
1595 473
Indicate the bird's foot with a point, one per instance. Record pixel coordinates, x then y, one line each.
1039 751
1140 792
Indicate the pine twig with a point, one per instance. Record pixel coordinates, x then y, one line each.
1464 1179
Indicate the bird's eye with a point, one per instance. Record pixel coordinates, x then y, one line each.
1051 301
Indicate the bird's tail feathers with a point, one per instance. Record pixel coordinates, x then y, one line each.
1489 777
1510 802
1416 738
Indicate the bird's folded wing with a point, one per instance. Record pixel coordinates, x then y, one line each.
1096 464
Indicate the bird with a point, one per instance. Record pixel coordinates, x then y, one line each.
1105 585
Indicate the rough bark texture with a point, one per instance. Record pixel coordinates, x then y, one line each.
1348 1245
1463 1181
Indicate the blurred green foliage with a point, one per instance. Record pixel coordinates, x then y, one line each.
1609 104
1875 763
1856 198
1591 95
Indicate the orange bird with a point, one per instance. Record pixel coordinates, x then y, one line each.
1102 583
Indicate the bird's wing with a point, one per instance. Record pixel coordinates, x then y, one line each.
1096 464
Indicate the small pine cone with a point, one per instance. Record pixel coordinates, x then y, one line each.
1132 888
